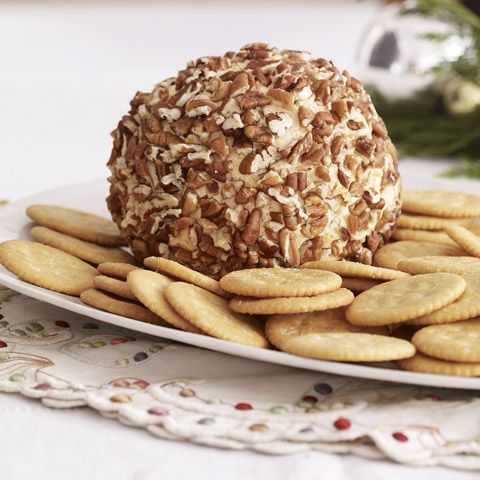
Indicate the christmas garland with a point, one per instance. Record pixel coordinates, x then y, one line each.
444 119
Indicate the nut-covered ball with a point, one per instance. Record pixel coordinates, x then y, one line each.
261 157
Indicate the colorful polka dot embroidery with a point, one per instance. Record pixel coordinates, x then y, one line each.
342 424
400 437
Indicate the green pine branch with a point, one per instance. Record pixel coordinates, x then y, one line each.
419 126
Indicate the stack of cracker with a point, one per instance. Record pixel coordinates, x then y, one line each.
306 314
440 233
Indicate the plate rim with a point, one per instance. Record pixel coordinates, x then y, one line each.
74 304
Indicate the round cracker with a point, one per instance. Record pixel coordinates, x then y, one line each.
116 269
422 236
280 282
432 264
185 274
277 327
270 306
441 203
90 252
359 284
114 286
465 239
82 225
212 314
348 347
404 299
46 267
465 307
149 288
391 254
423 222
423 364
457 342
103 301
355 269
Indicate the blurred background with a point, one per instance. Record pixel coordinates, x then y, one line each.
69 69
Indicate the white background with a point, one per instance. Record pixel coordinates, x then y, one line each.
67 73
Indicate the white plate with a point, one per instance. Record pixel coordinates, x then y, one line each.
90 197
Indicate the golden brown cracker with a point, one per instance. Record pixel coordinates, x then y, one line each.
391 254
280 282
90 252
441 203
465 239
78 224
114 286
212 314
355 269
270 306
103 301
149 288
185 274
46 267
424 364
406 298
456 342
116 269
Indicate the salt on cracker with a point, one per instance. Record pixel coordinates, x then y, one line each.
465 239
82 225
404 299
424 222
270 306
441 203
46 267
422 236
103 301
355 269
280 282
114 286
391 254
465 307
212 314
90 252
456 342
185 274
149 288
424 364
116 269
432 264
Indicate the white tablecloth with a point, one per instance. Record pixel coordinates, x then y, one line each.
67 74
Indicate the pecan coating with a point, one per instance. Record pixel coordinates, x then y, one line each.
260 157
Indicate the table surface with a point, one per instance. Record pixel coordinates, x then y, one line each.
68 73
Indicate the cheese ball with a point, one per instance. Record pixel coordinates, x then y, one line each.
257 158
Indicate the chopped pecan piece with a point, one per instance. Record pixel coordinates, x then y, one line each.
290 216
364 146
282 97
252 227
305 115
258 134
267 247
254 100
219 145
